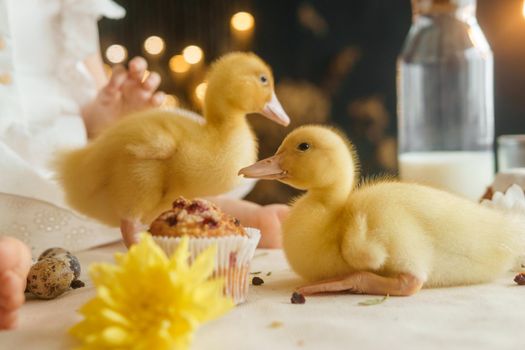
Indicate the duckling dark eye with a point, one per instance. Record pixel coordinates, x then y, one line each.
263 79
303 146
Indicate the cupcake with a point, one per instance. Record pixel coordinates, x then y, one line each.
207 225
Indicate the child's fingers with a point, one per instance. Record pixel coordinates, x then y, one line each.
142 94
152 82
137 68
134 95
157 98
8 319
118 78
8 253
11 291
281 210
15 256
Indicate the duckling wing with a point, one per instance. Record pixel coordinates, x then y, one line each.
158 136
359 247
161 147
184 113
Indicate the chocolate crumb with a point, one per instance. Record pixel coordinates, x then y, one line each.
257 281
210 222
77 284
179 203
196 207
520 279
297 298
172 220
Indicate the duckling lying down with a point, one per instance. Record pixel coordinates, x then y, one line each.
383 237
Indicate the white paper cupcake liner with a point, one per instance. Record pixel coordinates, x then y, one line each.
234 255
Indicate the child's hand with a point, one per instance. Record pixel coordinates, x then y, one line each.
266 218
15 261
269 221
125 92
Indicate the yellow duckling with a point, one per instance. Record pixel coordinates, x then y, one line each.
134 170
383 237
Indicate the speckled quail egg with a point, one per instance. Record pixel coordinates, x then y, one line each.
72 262
61 253
49 278
53 252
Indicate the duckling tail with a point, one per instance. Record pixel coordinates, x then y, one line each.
517 235
512 205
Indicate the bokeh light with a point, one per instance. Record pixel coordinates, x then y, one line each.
242 21
200 91
154 45
178 64
116 53
192 54
170 101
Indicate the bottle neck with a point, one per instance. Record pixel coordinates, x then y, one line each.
461 9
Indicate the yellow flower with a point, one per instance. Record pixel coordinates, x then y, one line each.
149 301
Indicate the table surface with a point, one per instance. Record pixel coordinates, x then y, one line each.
490 316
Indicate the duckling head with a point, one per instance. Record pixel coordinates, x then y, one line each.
240 83
310 157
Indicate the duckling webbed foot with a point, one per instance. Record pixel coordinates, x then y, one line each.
367 283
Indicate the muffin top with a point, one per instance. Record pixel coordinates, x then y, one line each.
195 218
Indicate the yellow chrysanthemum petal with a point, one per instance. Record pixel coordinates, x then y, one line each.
115 336
103 274
115 317
203 266
105 295
147 301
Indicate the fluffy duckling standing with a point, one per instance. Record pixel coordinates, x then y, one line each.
134 170
383 237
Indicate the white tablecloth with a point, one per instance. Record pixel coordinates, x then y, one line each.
478 317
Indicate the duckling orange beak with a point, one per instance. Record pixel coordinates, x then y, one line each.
268 169
275 112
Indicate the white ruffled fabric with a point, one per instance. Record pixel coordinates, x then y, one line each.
79 32
43 225
40 115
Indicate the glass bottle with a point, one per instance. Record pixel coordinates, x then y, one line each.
446 99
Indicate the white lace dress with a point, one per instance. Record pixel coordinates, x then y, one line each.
43 83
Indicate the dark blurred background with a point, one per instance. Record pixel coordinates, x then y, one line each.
334 62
